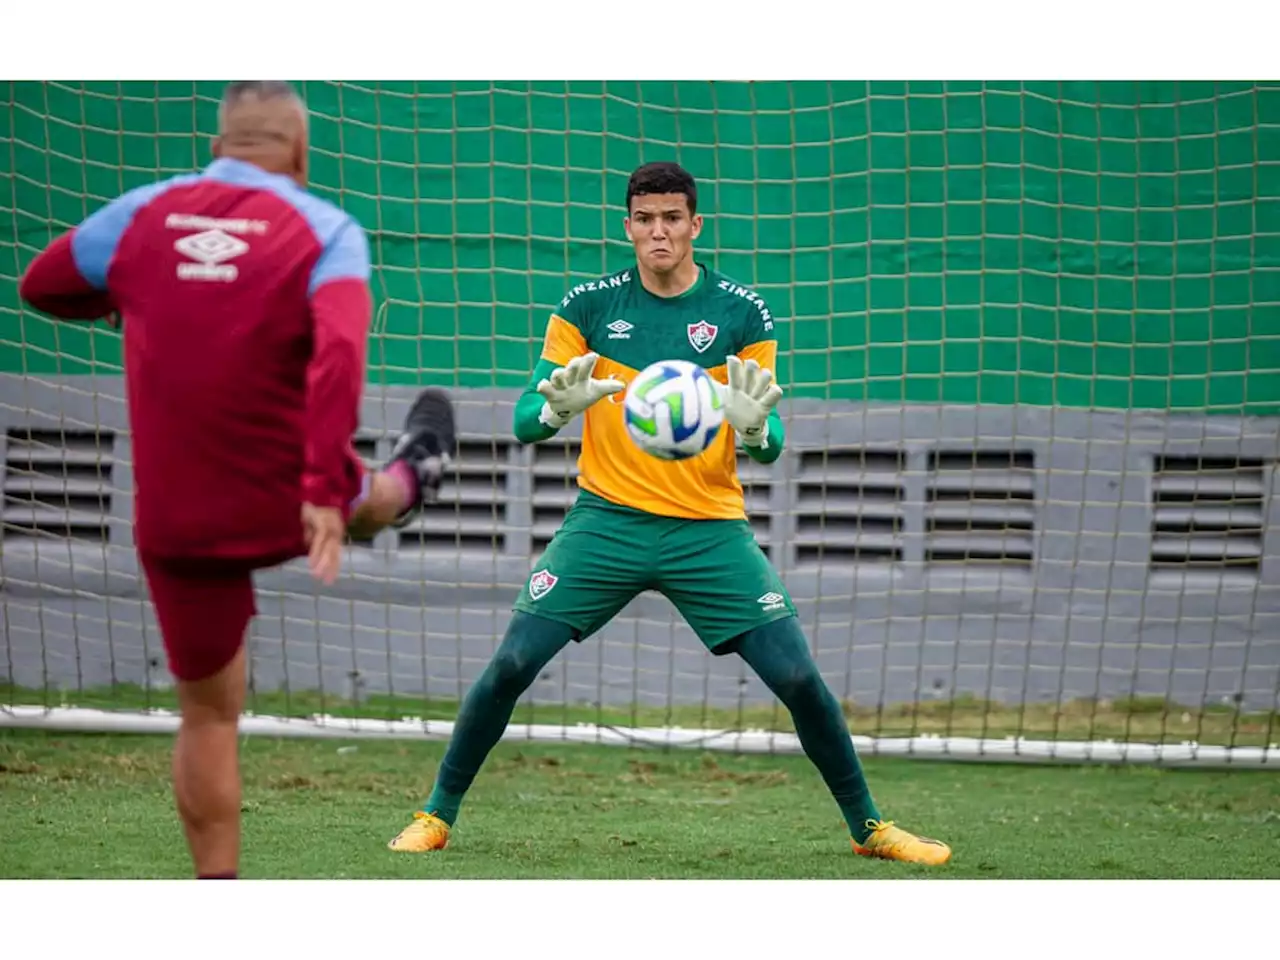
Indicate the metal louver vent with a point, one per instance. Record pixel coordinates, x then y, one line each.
849 506
554 488
1207 513
57 485
471 516
980 507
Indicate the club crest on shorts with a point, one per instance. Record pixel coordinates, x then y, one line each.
540 584
702 335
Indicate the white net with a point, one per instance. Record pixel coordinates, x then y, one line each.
1031 351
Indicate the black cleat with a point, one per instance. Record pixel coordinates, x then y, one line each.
428 444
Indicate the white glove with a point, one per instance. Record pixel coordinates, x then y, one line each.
571 389
748 398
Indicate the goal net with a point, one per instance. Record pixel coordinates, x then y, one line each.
1031 347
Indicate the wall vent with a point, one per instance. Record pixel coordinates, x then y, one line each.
1207 513
980 507
57 485
471 517
849 506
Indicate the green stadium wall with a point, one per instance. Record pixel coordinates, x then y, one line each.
1090 245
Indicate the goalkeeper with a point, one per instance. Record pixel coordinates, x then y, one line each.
640 523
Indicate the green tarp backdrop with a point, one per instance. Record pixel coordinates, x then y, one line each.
1077 244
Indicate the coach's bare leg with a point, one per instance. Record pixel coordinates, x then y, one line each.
206 767
424 449
386 499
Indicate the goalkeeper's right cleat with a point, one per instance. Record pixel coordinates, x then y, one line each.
427 832
428 443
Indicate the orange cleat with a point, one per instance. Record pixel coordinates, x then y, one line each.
893 843
427 832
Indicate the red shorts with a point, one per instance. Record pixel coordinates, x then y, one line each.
204 611
204 604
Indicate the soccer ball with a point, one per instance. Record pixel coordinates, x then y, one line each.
673 410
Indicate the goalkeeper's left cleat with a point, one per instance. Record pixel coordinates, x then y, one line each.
427 444
427 832
890 842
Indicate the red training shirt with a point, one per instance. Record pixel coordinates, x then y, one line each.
246 308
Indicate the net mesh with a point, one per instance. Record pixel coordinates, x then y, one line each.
1032 341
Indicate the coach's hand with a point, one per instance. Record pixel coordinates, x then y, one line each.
748 399
571 389
323 531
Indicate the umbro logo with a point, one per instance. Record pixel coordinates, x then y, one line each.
772 601
209 250
621 330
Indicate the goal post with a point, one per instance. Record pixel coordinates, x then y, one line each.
1030 338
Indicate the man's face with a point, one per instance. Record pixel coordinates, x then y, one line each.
662 230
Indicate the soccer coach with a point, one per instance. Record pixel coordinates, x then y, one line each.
245 308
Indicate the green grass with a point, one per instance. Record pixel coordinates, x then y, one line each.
1144 720
100 806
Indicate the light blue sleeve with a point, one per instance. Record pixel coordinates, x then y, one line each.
95 240
345 257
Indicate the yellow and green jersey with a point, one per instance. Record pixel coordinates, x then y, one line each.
630 328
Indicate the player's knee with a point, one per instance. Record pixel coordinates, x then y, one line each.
516 664
528 646
799 683
778 653
511 674
215 695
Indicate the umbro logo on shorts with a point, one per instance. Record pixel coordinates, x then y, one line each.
772 601
540 584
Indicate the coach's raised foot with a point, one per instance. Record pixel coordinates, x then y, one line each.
427 445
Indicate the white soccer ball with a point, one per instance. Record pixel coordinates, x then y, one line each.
673 410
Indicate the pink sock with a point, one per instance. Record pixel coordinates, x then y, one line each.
406 480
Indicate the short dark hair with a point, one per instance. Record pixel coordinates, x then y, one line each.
663 177
262 89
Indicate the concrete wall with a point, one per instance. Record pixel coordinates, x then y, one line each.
1010 552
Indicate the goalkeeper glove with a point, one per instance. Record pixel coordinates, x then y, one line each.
748 398
571 389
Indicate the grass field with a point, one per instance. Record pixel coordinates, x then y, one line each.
99 806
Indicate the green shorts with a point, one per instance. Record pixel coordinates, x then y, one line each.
604 554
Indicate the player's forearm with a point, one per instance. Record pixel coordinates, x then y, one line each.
341 312
775 438
54 285
527 423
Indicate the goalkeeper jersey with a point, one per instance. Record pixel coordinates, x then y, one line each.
630 328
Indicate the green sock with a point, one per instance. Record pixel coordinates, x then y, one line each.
778 653
529 645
